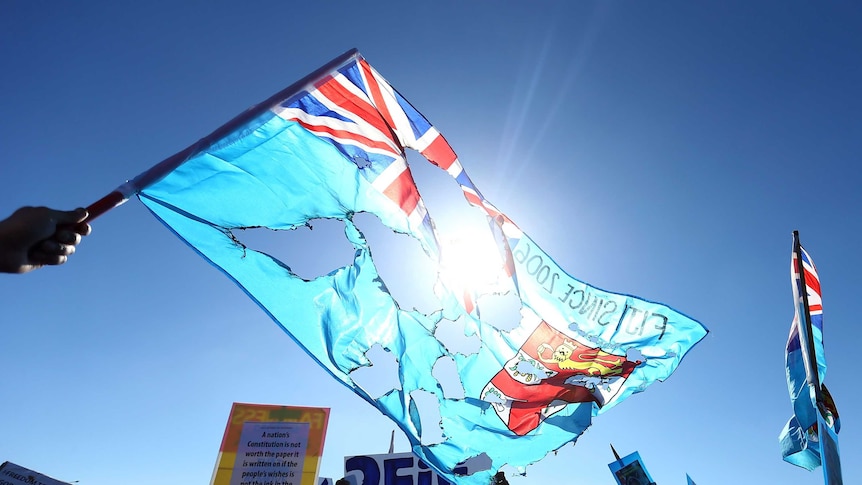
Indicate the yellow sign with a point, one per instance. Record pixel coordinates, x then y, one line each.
267 444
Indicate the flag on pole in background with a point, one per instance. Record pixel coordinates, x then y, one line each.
630 470
334 145
805 363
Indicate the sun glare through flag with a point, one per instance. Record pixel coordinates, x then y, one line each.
334 145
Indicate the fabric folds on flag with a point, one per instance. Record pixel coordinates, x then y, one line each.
799 438
335 147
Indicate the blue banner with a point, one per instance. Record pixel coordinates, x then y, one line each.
630 470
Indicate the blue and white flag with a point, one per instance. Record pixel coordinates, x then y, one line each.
334 146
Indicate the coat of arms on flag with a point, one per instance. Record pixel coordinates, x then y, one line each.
550 371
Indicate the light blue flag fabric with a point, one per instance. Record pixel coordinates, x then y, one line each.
801 445
689 480
334 148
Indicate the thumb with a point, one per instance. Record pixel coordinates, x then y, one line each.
70 217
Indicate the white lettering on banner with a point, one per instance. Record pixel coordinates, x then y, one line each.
394 469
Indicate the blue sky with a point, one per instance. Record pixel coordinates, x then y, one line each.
662 149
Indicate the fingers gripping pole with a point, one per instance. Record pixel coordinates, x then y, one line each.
116 198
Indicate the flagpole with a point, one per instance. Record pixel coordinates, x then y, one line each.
122 193
809 333
616 455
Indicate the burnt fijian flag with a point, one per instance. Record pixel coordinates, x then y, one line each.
333 145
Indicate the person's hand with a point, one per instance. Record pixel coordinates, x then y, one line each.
33 237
